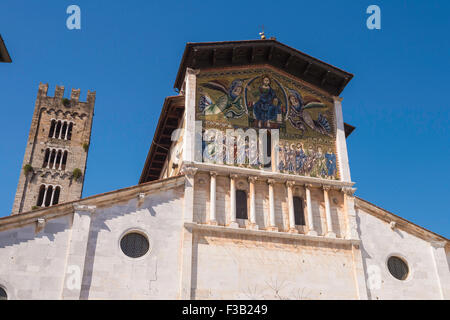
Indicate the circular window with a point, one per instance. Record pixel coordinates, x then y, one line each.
3 295
398 268
134 245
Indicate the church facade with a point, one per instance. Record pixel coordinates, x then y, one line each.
246 193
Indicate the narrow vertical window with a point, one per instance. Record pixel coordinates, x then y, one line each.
41 196
58 159
64 161
268 149
64 130
69 131
46 158
241 204
299 216
56 195
48 196
52 129
52 158
58 129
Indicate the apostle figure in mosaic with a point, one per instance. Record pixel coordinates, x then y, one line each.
230 104
330 158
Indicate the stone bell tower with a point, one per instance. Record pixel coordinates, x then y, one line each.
54 164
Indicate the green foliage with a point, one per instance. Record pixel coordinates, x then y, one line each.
76 173
27 169
65 102
86 146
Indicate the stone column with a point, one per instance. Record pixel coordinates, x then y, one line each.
53 194
233 221
212 199
45 196
252 224
311 230
290 186
330 232
272 225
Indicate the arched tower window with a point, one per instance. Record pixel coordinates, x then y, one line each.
57 130
52 129
46 158
48 195
40 200
64 130
64 161
56 195
69 131
241 204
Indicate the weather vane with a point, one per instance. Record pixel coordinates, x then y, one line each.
263 36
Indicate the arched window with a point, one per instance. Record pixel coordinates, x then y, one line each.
241 204
52 158
299 216
64 161
58 130
52 129
40 200
56 195
46 158
58 159
69 131
64 130
48 196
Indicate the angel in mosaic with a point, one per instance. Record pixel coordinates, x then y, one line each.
230 103
299 116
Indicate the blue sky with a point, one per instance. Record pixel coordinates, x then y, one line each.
129 52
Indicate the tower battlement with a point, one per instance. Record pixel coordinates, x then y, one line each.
59 94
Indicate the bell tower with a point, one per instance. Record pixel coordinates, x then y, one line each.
54 164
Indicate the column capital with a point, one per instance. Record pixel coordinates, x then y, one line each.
438 244
337 98
191 71
234 176
271 181
189 171
326 188
348 191
290 183
252 179
213 173
309 185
